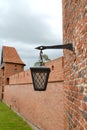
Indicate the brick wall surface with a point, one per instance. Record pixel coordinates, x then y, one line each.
1 82
75 64
44 109
56 67
11 69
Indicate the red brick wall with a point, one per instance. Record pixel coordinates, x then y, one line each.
56 74
56 67
1 82
11 69
75 64
8 70
44 109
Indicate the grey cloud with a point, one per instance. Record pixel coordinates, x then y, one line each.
20 25
24 30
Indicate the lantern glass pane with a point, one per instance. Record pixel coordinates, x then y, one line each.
40 77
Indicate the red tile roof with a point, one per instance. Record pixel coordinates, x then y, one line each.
9 54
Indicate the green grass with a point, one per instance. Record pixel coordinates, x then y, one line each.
9 120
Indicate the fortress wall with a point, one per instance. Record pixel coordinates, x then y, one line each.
44 109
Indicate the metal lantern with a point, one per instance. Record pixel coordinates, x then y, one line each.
40 77
40 74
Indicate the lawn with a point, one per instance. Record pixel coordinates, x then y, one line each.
9 120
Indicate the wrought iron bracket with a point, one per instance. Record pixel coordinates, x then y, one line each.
68 46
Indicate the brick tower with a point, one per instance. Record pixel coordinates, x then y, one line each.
11 64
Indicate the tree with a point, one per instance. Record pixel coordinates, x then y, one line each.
45 59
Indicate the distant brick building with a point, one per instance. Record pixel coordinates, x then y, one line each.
11 64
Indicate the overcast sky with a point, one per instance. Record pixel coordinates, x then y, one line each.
26 24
